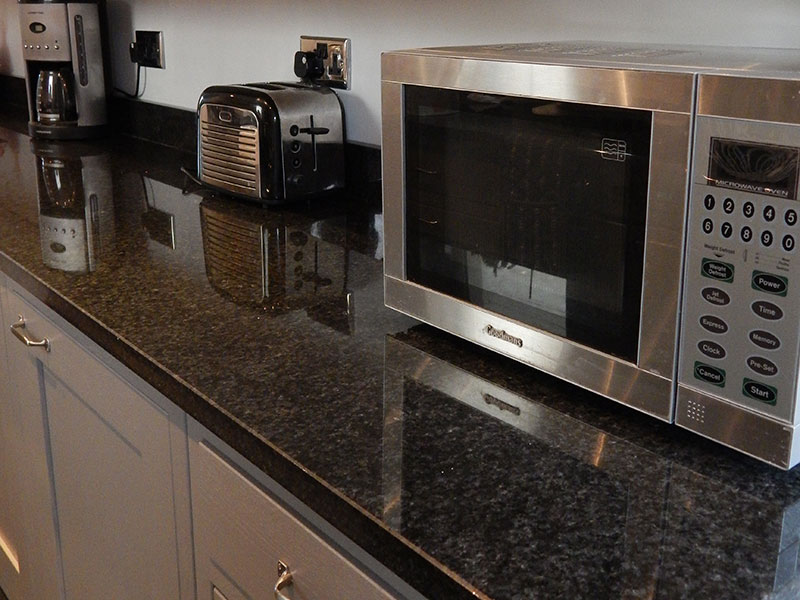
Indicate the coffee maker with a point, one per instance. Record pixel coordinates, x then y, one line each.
76 208
61 45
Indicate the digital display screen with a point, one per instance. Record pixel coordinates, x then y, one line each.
37 27
756 168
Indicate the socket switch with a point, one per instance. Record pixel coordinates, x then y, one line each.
335 55
148 49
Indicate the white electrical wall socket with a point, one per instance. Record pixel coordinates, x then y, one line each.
336 63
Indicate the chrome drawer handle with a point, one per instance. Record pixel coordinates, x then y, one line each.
284 579
17 329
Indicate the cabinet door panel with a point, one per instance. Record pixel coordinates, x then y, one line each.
113 493
113 465
241 533
31 499
10 489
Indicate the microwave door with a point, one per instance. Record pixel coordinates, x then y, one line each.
530 209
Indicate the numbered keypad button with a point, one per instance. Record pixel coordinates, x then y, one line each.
788 243
766 238
728 205
790 217
769 213
748 209
709 202
708 226
726 230
746 234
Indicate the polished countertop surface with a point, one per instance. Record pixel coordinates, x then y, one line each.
465 473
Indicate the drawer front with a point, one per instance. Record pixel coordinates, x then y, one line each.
241 533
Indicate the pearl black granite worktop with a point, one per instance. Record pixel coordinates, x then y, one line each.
465 473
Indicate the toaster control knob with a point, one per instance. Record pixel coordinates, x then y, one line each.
308 65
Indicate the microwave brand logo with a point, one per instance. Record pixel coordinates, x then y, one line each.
614 149
500 334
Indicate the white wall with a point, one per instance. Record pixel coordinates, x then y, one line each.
228 41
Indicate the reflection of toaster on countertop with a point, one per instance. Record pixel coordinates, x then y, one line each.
271 142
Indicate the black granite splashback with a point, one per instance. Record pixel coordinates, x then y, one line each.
467 474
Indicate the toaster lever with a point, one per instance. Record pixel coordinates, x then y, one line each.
315 130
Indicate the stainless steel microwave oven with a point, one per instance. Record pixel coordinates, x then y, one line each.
623 217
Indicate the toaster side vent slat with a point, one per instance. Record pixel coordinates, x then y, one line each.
227 177
227 147
239 160
229 155
231 138
231 166
245 130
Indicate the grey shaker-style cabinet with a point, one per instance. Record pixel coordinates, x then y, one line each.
243 530
104 505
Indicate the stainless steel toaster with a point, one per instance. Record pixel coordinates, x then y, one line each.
270 142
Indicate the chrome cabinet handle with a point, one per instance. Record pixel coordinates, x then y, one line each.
17 329
284 579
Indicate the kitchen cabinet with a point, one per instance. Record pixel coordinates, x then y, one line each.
10 494
105 487
243 529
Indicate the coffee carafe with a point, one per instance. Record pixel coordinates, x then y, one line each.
61 44
55 97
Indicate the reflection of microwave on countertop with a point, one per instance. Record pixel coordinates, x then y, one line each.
535 201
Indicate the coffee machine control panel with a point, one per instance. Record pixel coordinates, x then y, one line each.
45 32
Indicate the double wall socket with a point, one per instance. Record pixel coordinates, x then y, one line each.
336 62
148 49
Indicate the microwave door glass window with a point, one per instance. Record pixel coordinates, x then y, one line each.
530 209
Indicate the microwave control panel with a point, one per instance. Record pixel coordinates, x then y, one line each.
741 297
